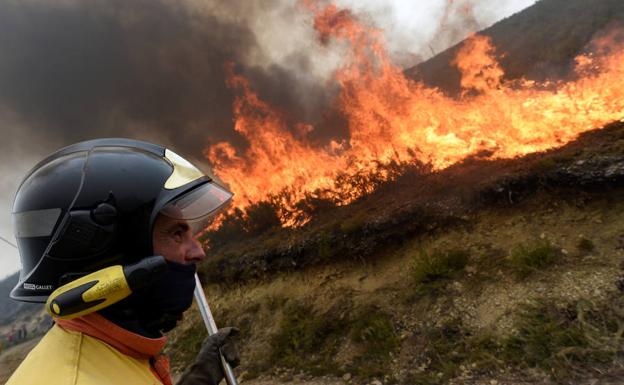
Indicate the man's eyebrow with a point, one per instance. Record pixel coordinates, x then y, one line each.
178 225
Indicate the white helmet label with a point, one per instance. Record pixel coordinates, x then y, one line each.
30 286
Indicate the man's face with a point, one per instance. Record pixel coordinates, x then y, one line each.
173 239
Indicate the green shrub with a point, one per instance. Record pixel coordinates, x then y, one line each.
373 331
437 265
448 347
563 341
306 340
542 332
525 259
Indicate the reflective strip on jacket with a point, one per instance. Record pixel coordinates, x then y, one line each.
65 357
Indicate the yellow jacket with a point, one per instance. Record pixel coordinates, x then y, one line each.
70 357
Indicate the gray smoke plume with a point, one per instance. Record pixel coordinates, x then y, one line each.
145 69
154 69
73 70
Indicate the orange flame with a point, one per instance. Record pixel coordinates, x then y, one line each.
394 119
476 62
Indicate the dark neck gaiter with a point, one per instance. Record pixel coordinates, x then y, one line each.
156 309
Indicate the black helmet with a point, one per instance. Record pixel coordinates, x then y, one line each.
93 204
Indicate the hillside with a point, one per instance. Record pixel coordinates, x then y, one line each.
488 270
15 318
420 203
538 43
9 309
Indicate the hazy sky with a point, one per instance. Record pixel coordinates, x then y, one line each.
272 39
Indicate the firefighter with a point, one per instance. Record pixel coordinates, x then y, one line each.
95 205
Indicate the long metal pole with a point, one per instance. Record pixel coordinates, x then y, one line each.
211 326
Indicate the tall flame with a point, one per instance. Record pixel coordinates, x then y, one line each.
394 119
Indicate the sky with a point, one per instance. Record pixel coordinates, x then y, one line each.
73 70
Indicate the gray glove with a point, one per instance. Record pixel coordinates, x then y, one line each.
207 369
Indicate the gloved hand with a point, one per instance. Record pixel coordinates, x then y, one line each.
207 369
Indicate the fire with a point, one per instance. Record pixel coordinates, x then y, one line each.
393 119
481 72
278 160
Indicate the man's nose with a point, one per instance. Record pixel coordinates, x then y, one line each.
196 252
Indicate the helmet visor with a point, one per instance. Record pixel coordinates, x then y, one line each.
200 204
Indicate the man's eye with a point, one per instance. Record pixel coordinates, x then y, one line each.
177 235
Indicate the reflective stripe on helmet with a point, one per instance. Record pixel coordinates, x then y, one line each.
35 223
183 171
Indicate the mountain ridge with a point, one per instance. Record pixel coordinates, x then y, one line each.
538 43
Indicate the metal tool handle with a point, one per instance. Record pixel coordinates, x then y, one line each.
211 326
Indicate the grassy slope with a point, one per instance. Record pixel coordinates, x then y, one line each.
533 294
538 230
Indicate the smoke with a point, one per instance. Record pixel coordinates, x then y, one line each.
417 30
154 70
458 19
145 69
108 68
19 150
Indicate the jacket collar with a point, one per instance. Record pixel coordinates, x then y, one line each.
126 342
